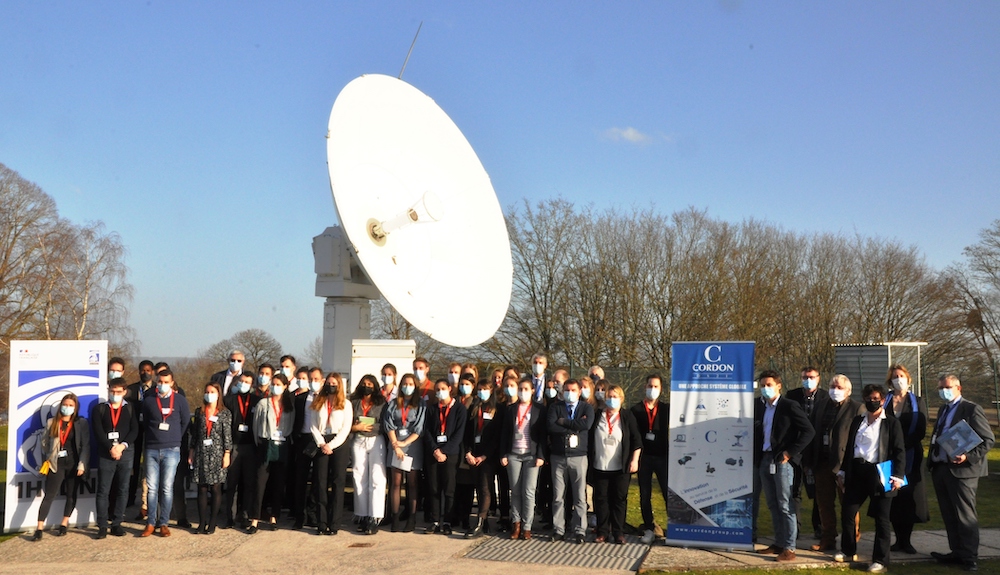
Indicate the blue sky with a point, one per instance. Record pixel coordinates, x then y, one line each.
196 130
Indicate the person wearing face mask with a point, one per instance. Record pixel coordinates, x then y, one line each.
595 373
812 398
587 391
179 507
454 373
600 389
872 440
135 394
523 443
115 426
368 450
304 446
300 385
287 367
209 458
543 489
909 507
465 480
167 415
242 474
273 419
832 420
568 423
264 374
421 370
956 475
116 368
330 416
403 424
615 447
444 430
388 379
226 377
652 416
539 363
482 448
781 433
67 449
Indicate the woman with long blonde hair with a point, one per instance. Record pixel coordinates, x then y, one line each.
330 417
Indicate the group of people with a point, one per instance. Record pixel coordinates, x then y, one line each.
285 438
516 445
870 450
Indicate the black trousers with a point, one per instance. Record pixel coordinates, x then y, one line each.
610 501
330 474
957 500
441 484
650 465
241 478
859 487
483 478
304 500
66 478
113 477
272 475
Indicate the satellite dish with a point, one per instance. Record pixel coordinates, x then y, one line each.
419 210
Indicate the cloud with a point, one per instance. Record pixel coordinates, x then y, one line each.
628 134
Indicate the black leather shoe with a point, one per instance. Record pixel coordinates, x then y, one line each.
558 537
117 531
577 539
446 529
61 531
37 536
102 533
252 529
970 566
945 557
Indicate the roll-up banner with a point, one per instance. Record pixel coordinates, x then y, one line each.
41 374
709 503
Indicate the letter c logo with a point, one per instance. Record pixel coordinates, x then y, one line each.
709 354
710 436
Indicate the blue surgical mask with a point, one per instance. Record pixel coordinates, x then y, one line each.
277 390
287 372
484 395
599 395
66 409
421 375
114 375
465 388
243 387
551 392
211 397
810 383
510 391
570 396
388 379
264 380
407 390
768 392
235 366
947 394
164 389
585 392
614 403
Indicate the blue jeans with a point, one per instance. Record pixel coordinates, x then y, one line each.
777 490
161 466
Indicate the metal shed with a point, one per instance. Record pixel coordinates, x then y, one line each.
866 363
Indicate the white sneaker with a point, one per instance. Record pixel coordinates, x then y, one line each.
841 558
647 537
876 568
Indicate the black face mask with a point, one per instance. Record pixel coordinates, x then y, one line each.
145 377
366 391
332 388
873 405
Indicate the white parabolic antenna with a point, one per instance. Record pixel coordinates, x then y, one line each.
419 210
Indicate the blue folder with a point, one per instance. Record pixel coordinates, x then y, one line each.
885 474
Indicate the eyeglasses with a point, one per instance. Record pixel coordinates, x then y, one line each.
236 360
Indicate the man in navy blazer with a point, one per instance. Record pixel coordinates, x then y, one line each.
781 432
956 478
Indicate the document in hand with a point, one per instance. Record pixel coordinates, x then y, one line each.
404 464
885 474
958 439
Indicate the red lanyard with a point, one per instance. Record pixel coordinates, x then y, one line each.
444 416
522 414
403 412
365 410
208 423
611 424
651 414
64 436
329 414
243 406
276 408
116 415
160 405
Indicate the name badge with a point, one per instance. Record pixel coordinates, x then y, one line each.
165 411
206 442
277 436
62 453
214 419
573 441
164 426
772 469
650 436
518 436
402 433
610 441
243 428
487 416
112 435
141 418
826 440
479 439
442 439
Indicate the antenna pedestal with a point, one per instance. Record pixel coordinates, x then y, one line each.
348 293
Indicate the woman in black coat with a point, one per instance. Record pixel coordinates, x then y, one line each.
910 505
66 444
615 445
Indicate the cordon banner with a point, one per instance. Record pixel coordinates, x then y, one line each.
41 374
709 501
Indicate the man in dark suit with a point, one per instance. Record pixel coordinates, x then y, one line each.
811 397
956 476
568 423
226 377
832 420
134 394
653 417
781 433
872 439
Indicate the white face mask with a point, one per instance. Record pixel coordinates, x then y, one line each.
421 375
838 395
443 395
652 393
524 396
243 387
235 366
315 386
287 372
570 396
277 390
115 399
407 390
599 395
538 368
211 397
551 392
114 375
164 389
452 378
900 384
388 380
585 392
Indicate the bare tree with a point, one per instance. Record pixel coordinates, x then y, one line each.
257 346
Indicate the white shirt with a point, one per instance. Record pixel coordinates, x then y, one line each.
338 423
866 440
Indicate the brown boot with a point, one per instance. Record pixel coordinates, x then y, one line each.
515 530
526 535
147 531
